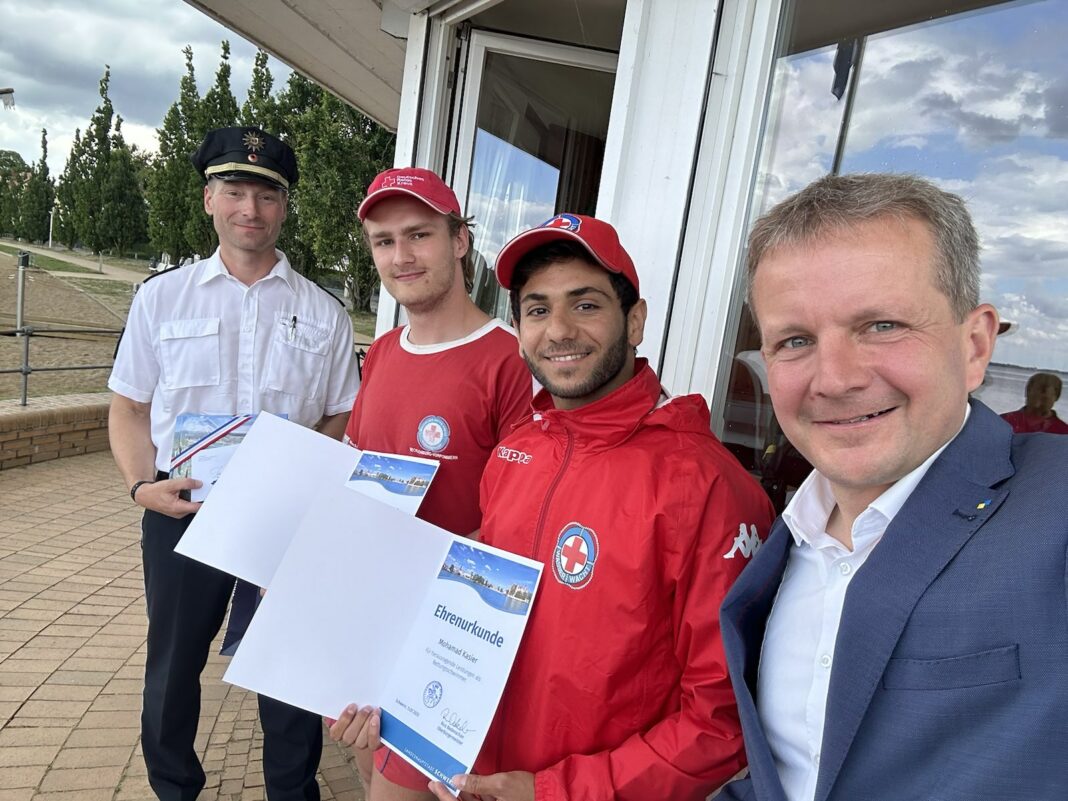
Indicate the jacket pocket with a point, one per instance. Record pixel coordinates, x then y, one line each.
996 666
189 352
297 358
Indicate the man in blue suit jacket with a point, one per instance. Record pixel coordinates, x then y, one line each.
903 633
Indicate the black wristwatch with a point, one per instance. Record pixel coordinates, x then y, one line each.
137 485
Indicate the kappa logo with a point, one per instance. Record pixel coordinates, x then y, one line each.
746 543
575 555
512 455
433 433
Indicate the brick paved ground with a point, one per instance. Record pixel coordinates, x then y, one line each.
72 651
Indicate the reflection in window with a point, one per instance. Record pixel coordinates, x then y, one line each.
976 100
538 150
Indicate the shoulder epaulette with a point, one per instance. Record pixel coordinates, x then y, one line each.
328 292
164 272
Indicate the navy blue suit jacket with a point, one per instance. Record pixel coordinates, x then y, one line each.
950 675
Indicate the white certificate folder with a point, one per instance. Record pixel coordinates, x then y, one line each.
372 606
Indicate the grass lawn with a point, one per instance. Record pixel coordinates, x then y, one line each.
116 295
363 324
47 262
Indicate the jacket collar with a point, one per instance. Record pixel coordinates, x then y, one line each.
605 422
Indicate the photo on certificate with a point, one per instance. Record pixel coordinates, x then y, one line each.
502 583
399 481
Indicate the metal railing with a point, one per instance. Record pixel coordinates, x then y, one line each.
27 332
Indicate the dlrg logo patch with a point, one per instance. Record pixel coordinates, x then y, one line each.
575 556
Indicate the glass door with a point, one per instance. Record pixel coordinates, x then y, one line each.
529 143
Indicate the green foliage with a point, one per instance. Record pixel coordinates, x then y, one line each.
100 197
35 199
14 172
123 214
260 108
339 153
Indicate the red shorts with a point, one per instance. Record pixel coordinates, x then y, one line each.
399 771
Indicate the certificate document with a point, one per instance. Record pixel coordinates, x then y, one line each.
450 674
370 605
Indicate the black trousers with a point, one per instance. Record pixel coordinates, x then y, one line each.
186 603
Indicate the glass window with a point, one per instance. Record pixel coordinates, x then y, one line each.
973 96
539 142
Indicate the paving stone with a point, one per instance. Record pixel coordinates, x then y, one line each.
62 779
83 737
18 756
93 757
23 776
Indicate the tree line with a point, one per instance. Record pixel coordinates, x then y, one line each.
114 197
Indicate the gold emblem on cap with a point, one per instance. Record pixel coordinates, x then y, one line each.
253 141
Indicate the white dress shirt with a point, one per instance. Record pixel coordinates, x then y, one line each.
797 656
198 340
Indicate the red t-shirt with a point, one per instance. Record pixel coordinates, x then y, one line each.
1023 422
452 402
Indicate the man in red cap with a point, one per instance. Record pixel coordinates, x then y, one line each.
449 384
620 689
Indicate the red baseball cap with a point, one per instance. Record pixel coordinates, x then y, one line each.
596 236
415 182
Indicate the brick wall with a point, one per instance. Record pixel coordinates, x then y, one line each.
48 428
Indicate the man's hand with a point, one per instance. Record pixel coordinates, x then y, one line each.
162 496
516 785
358 729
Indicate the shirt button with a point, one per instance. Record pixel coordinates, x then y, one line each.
816 760
845 568
825 660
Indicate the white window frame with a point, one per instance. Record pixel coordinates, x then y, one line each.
709 293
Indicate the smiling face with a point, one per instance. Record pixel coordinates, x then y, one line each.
868 368
416 257
247 216
573 333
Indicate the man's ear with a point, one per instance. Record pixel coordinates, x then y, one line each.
980 334
636 323
208 198
461 243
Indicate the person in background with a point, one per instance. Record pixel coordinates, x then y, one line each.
1037 415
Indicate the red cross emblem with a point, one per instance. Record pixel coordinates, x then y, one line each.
574 554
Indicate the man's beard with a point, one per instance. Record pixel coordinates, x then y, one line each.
611 363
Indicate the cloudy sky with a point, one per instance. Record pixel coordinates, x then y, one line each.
53 53
978 103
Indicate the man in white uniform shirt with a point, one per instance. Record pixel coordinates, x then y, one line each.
901 633
237 333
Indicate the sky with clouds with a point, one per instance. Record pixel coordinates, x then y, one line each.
53 52
977 102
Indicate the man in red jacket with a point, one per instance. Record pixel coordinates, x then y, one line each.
643 520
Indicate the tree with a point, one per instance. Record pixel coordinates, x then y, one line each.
294 103
35 199
340 151
123 216
88 184
218 109
64 228
174 185
260 109
13 173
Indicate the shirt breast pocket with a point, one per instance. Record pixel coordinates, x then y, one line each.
996 666
297 358
189 353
